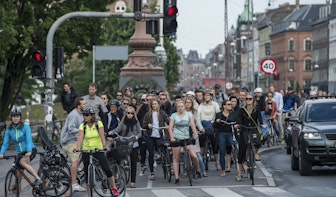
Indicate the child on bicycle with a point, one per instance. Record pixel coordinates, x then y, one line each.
93 138
20 134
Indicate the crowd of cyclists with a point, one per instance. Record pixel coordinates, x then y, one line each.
193 118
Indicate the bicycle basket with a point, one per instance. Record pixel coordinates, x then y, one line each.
52 158
121 150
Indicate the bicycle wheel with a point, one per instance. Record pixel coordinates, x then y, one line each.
168 165
119 178
101 185
189 168
127 169
91 178
251 163
164 164
206 155
235 155
56 182
11 184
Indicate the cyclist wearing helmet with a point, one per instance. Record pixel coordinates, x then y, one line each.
20 134
206 114
91 136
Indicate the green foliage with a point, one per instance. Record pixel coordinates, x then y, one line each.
171 67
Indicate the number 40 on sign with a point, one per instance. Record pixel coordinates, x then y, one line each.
268 65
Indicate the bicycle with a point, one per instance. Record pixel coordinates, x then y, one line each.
207 152
97 178
165 154
189 167
272 137
235 147
121 152
250 155
55 181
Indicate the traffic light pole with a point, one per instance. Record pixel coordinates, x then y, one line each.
50 82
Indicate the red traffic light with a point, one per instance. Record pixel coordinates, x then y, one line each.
276 74
172 11
38 56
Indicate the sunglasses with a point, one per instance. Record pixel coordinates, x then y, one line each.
130 113
249 99
86 115
119 94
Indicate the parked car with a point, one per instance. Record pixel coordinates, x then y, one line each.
288 130
313 135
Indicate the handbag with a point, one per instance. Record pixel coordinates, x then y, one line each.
207 125
259 136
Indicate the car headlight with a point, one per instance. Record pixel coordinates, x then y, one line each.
312 136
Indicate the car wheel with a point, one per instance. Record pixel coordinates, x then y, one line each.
294 161
305 167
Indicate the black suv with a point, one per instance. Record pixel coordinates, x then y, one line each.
313 135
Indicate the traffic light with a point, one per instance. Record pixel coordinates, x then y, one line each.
169 17
276 76
59 62
38 64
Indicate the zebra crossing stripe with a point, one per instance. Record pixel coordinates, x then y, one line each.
273 191
323 191
167 193
221 192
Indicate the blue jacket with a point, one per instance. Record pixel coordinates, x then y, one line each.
21 138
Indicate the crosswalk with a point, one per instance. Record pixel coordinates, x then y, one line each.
211 191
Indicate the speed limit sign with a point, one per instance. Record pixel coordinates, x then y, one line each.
268 65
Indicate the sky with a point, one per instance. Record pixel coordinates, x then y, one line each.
201 22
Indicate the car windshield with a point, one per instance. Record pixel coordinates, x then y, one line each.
321 112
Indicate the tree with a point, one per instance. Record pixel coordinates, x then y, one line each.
24 27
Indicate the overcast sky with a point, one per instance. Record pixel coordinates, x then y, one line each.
201 22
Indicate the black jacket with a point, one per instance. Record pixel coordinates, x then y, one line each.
68 106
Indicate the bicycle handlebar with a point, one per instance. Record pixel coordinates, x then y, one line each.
129 138
228 123
91 151
246 127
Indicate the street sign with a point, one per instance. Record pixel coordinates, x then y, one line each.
268 65
229 85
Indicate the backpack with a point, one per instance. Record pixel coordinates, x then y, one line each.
96 124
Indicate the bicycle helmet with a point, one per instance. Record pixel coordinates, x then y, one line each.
16 111
114 102
258 89
88 110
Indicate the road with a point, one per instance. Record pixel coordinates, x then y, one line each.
269 181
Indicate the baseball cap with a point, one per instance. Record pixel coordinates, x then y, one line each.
143 96
217 86
191 93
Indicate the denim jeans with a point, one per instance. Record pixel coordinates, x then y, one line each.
153 144
200 161
224 140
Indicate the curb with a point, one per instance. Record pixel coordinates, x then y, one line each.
269 176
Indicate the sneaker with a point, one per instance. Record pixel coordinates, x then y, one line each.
155 164
77 188
257 157
115 192
37 183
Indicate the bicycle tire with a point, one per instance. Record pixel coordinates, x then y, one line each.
56 182
127 169
251 164
206 155
11 184
168 165
164 164
119 178
91 179
101 184
189 168
235 156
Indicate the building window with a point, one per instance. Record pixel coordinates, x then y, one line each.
291 83
291 44
308 65
307 83
291 66
268 49
308 44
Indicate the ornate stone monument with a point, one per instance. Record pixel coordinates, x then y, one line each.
142 72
